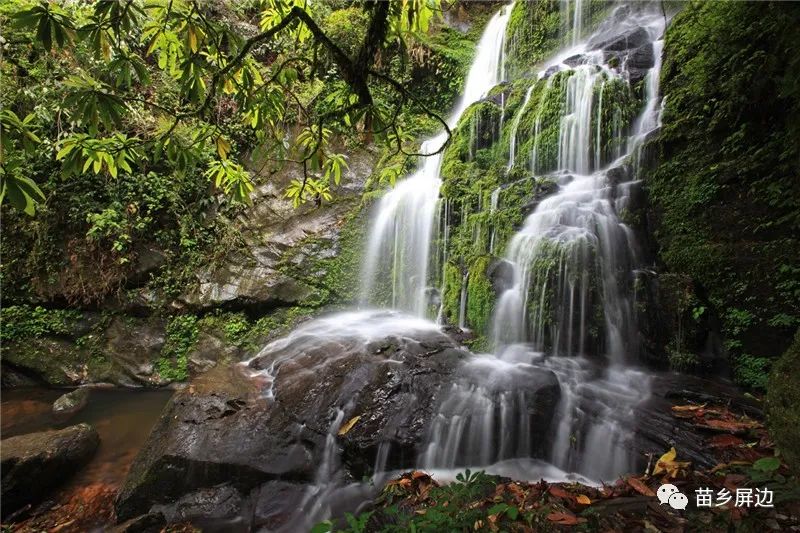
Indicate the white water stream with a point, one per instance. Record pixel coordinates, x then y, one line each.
572 258
399 244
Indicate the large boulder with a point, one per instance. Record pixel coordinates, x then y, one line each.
133 347
217 430
124 352
628 40
369 381
35 463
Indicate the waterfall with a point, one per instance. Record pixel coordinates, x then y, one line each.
565 330
397 255
556 397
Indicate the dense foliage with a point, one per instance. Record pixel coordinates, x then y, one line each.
137 131
124 232
726 187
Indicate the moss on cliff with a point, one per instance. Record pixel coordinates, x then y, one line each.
783 404
726 192
480 296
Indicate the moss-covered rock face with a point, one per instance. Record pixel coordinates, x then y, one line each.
495 169
783 404
537 28
725 191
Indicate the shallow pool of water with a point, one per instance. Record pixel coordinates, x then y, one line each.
122 417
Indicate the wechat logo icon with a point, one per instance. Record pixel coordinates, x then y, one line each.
669 494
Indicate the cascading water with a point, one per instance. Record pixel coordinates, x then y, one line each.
400 239
573 262
556 398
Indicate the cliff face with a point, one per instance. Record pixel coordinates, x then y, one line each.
724 182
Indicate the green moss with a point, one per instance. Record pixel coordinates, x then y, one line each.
546 106
230 326
57 362
752 371
330 276
25 322
453 280
725 191
533 34
480 297
537 28
181 336
783 404
275 324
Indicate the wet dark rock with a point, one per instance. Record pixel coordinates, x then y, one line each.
391 385
212 504
217 430
12 377
649 151
628 40
459 335
618 174
222 430
551 71
149 523
71 402
574 61
542 189
275 502
34 464
501 274
641 58
657 430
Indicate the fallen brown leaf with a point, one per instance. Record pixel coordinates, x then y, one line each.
639 486
563 519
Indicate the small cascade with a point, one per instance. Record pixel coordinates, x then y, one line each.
598 151
572 21
574 142
395 271
537 128
444 232
512 140
650 119
494 201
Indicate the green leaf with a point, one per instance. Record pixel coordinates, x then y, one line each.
22 193
323 527
767 464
